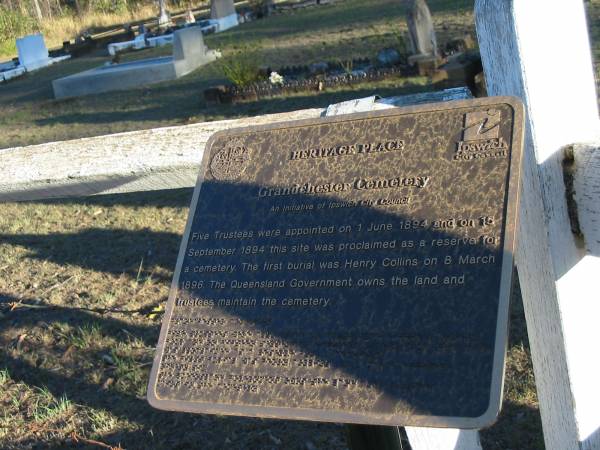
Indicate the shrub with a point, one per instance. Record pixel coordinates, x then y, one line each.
110 6
241 69
14 24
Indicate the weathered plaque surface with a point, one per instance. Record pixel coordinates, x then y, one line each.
349 269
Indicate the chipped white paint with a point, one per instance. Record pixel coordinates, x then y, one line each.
442 439
519 41
587 194
161 158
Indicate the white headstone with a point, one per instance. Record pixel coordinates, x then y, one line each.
189 50
420 29
33 53
223 12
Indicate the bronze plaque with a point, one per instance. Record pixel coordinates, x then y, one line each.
349 269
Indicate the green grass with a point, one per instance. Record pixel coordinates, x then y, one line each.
48 407
345 30
4 376
101 421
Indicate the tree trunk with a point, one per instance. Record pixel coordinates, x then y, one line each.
37 10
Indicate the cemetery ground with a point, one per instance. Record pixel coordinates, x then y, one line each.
82 289
83 282
30 115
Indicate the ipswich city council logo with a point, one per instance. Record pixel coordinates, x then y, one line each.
481 137
231 161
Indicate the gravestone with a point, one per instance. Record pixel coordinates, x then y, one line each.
420 29
422 39
189 53
351 269
164 18
223 11
189 17
33 53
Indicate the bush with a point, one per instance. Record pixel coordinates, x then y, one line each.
241 69
14 24
110 6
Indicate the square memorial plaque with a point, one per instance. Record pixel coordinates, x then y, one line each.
350 269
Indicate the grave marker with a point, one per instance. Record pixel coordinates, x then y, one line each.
223 11
420 29
189 53
33 53
422 39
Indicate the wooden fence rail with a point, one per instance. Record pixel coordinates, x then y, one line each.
160 158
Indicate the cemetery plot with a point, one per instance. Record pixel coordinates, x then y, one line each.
352 269
189 53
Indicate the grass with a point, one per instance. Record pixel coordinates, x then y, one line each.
4 376
29 114
69 25
101 360
48 407
83 282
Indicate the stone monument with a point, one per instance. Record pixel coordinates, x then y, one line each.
164 18
33 53
422 39
189 53
223 11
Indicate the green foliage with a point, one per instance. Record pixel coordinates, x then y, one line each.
400 43
128 372
14 24
259 7
86 336
109 6
241 68
4 376
347 66
101 420
48 407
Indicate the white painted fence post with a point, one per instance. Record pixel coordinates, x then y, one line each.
539 51
442 439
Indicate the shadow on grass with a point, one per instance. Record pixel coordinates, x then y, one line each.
38 85
113 251
29 312
173 198
263 106
149 428
519 426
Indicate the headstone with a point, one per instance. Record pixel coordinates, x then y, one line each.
33 53
189 17
423 43
164 18
348 269
189 53
189 50
223 11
